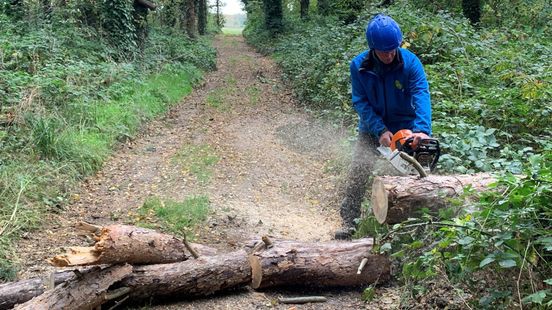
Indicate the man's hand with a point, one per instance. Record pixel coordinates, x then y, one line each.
385 138
417 137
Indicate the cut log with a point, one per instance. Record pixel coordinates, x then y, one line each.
86 292
276 263
322 264
396 198
129 244
196 277
19 292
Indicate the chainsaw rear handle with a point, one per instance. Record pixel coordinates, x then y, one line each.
428 146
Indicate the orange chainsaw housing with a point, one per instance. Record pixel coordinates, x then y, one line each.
399 138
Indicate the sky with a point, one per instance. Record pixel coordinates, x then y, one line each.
232 7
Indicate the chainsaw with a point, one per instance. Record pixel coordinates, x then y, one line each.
409 157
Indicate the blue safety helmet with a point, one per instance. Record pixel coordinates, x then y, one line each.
383 33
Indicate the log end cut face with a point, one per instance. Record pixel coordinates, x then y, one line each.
379 201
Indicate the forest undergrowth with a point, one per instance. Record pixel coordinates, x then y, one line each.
69 96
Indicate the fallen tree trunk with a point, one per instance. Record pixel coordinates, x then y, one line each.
195 277
129 244
328 264
274 263
86 292
396 198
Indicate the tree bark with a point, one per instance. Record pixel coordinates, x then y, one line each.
472 10
202 16
273 16
196 277
129 244
19 292
396 198
191 21
283 263
86 292
304 8
328 264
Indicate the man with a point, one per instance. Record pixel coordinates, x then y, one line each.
390 93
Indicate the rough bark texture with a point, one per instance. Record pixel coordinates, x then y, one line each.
86 292
304 8
129 244
396 198
289 263
191 20
19 292
195 277
328 264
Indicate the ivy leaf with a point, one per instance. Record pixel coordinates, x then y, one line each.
548 281
466 240
536 298
507 263
489 259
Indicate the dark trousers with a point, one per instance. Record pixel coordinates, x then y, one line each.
364 157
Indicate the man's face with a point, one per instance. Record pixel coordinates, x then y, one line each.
386 57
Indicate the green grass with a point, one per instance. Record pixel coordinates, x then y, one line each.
175 217
197 160
254 94
232 31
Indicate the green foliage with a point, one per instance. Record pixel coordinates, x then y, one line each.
509 229
70 102
178 218
118 21
490 83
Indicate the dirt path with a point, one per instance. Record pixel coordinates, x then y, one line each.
272 175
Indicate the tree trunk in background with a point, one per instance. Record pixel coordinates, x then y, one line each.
273 15
219 16
472 10
191 23
46 8
304 8
14 8
323 7
202 16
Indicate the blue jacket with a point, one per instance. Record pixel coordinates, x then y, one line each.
390 97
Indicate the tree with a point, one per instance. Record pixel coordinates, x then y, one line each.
218 14
202 16
304 8
273 15
472 10
191 20
323 7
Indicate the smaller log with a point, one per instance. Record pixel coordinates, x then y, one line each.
19 292
86 292
396 198
129 244
302 300
195 277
